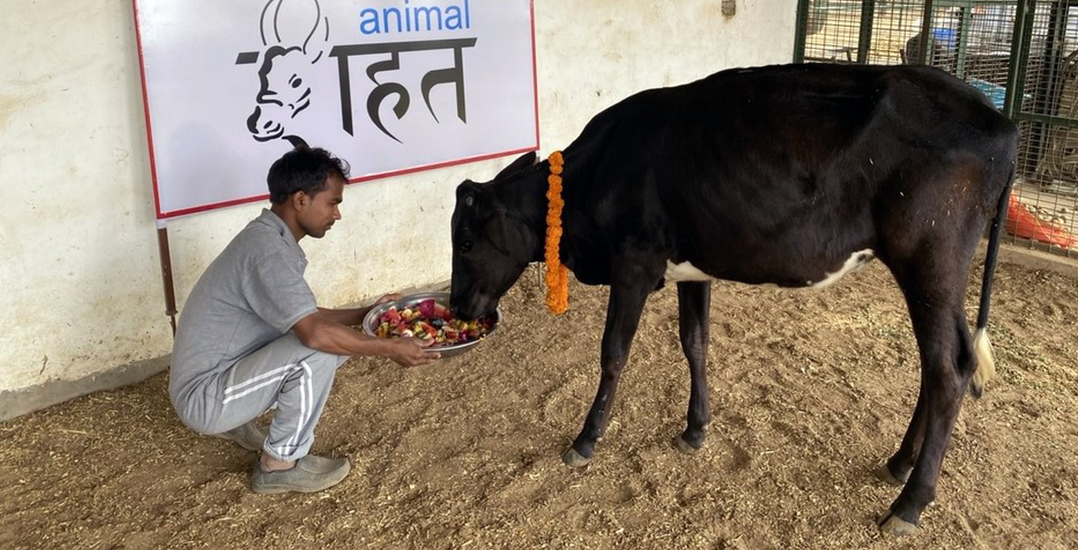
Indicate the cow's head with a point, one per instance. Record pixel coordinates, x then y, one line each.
492 245
295 42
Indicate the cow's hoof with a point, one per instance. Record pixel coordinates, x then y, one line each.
573 459
885 475
684 446
891 524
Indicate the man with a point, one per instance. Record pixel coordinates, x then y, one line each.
251 336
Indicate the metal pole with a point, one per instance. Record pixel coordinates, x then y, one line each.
864 41
166 273
926 34
801 31
1019 55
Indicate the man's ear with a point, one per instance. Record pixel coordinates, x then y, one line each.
300 200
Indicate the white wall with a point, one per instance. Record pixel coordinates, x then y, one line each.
80 284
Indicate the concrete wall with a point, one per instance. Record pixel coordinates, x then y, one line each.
81 300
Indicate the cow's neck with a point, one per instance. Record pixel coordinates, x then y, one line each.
525 197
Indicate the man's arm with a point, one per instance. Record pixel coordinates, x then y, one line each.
321 332
347 317
354 316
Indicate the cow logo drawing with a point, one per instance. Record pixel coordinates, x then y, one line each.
294 35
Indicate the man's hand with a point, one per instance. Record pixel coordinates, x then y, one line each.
389 298
409 352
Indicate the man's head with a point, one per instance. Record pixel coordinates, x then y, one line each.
305 186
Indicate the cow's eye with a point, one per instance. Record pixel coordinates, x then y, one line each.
297 83
465 246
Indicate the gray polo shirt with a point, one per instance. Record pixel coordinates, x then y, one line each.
252 294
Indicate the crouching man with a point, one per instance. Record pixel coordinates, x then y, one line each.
251 335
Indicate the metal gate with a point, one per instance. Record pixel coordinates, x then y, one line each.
1023 54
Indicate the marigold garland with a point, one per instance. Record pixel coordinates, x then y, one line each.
557 275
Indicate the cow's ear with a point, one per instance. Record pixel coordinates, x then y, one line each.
497 229
522 162
466 193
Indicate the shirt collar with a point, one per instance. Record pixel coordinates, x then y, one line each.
274 221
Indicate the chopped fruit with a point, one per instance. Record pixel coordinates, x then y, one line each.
432 322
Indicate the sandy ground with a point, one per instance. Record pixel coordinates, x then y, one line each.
810 391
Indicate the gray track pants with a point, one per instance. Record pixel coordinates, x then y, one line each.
285 372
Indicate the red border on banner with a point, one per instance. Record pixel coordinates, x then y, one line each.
146 110
224 204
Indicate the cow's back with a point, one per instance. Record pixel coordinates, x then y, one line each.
771 174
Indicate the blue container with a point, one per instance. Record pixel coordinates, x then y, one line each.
994 92
945 38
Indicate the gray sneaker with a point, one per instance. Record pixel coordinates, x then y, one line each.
310 474
250 436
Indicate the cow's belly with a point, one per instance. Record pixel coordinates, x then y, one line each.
685 271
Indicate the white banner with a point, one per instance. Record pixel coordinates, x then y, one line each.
389 86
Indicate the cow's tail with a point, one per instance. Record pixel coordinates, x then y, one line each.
982 347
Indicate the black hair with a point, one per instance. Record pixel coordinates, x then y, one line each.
303 169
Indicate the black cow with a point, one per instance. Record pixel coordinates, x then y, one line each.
792 175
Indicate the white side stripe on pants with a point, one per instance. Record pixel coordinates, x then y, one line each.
262 376
306 401
269 382
306 396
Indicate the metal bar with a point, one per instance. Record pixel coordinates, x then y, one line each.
926 34
864 41
801 33
962 45
970 3
1047 119
166 273
1045 77
1020 45
1057 25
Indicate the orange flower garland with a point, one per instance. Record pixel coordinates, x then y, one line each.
557 275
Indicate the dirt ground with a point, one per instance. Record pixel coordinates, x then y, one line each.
810 390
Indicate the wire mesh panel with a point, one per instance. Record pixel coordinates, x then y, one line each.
833 29
1049 122
974 40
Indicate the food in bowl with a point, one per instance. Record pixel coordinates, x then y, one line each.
432 322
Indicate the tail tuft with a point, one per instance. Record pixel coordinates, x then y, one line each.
986 363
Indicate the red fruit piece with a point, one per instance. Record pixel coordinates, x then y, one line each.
442 312
391 316
426 308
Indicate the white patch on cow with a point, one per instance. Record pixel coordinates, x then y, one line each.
684 271
856 261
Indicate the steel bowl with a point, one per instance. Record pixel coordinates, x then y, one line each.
370 322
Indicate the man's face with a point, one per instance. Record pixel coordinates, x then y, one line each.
320 211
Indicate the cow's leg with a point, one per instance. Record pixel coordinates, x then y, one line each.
694 298
934 291
897 469
634 277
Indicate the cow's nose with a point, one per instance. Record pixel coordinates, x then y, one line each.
474 307
461 309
